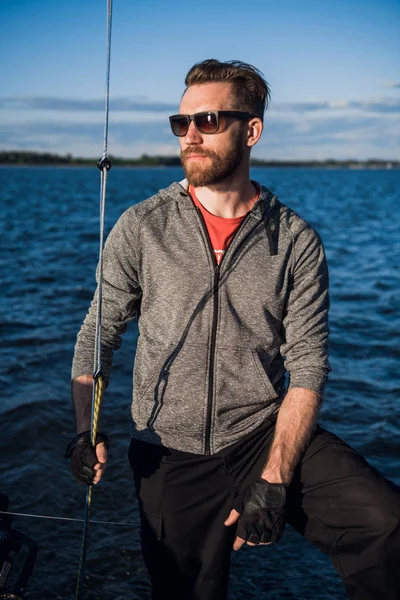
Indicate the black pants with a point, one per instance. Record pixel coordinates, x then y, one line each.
336 500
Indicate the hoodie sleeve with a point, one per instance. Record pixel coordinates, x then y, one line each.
305 322
121 298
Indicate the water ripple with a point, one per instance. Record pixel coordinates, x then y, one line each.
48 249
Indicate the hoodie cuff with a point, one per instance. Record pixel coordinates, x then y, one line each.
312 380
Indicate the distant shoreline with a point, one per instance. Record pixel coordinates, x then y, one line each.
161 167
17 158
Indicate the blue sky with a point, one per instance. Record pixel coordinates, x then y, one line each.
333 68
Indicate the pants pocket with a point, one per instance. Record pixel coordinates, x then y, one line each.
152 525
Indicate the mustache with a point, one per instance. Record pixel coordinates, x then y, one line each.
197 151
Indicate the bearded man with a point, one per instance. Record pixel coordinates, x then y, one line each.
230 287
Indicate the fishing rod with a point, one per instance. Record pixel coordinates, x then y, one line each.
104 165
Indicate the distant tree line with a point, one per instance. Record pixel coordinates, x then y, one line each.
17 157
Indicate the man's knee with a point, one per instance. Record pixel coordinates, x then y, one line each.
374 503
382 521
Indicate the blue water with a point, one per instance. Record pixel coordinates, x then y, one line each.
48 254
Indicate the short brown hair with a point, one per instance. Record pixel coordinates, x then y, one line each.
252 90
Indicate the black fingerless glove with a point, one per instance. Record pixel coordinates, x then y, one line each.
83 456
262 508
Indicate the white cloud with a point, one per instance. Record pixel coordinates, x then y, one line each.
339 104
337 129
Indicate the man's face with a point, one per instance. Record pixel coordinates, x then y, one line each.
208 159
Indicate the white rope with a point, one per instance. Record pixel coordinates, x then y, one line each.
108 60
104 165
17 514
97 347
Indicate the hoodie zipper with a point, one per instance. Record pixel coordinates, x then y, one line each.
210 393
212 360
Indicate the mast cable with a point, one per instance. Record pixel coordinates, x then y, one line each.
98 384
17 514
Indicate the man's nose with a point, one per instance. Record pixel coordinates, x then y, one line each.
193 136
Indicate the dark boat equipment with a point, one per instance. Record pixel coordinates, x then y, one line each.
15 567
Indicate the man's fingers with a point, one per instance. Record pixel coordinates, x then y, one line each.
98 472
99 468
233 517
101 452
238 543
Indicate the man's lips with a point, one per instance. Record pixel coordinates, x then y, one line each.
196 156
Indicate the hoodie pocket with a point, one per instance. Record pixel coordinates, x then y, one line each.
261 358
243 387
172 391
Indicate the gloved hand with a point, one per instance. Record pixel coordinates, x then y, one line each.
84 457
262 513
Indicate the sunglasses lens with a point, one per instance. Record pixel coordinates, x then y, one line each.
206 122
179 125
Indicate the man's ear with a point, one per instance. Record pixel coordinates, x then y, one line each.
254 131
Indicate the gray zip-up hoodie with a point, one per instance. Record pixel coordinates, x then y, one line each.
214 342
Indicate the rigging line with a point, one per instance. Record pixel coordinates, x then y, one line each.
97 346
104 165
16 514
98 382
108 62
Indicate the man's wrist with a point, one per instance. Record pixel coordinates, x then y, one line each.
276 476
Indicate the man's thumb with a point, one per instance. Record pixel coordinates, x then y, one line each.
233 517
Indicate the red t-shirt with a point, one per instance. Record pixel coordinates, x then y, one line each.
220 230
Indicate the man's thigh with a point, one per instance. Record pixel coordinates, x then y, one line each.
184 500
348 510
333 481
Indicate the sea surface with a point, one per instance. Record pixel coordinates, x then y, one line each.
48 256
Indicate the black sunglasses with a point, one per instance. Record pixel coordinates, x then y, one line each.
205 122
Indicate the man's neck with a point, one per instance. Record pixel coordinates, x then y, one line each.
229 199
